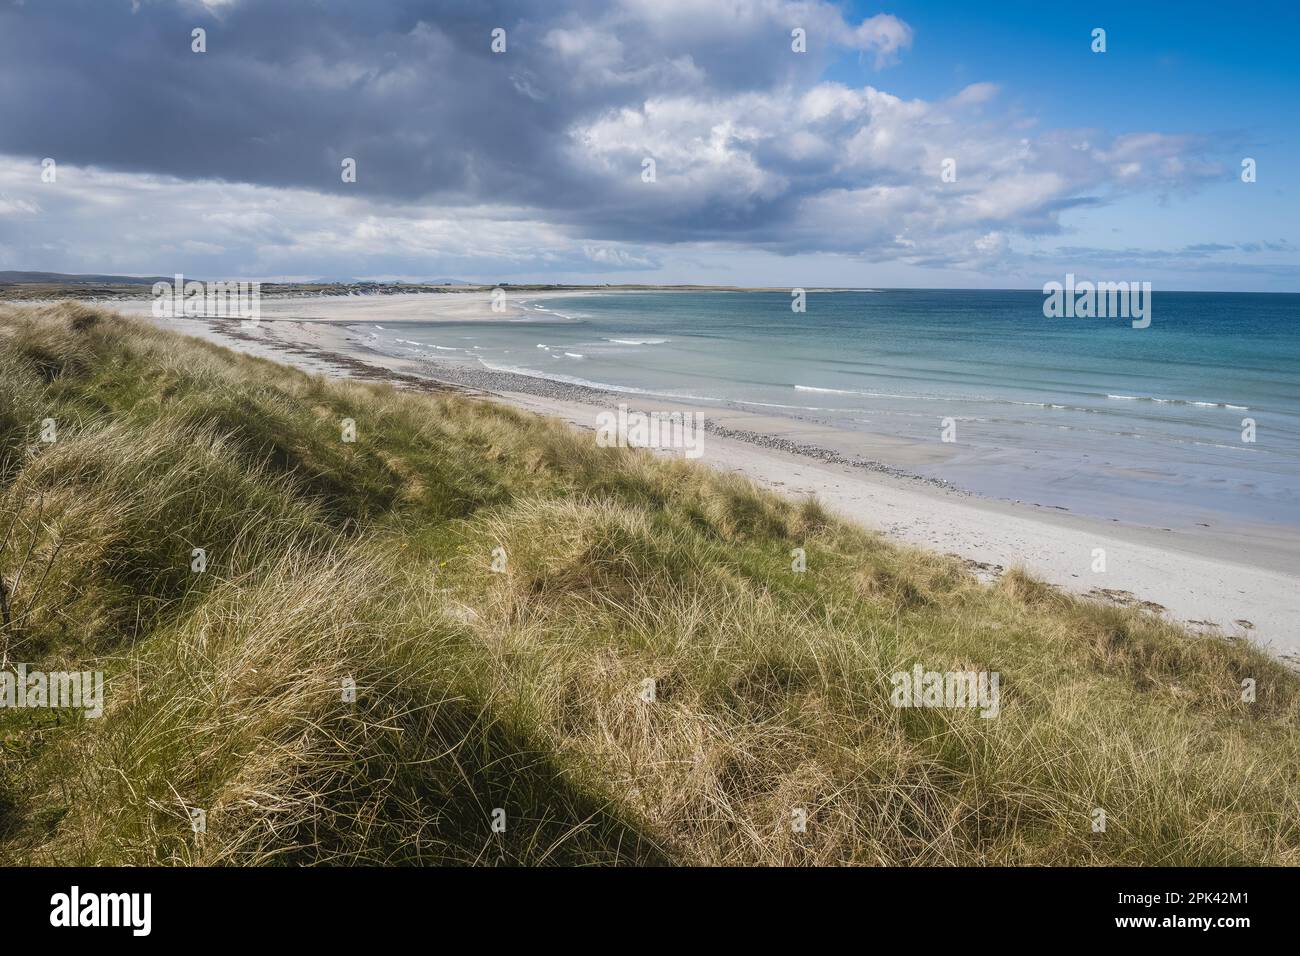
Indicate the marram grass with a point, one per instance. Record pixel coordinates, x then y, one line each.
519 696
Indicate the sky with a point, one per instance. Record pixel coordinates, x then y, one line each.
919 144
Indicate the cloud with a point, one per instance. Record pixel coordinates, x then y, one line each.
147 224
526 159
883 34
853 170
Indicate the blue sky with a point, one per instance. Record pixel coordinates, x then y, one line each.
772 167
1228 71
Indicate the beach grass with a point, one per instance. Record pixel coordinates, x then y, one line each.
561 653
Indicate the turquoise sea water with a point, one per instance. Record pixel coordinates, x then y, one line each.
1081 413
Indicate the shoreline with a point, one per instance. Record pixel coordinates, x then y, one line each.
1226 582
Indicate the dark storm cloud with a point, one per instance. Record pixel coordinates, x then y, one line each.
283 94
411 90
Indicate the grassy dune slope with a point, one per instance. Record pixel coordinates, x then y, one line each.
371 561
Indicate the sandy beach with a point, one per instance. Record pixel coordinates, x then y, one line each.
1238 581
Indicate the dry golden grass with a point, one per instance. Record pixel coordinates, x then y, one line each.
527 691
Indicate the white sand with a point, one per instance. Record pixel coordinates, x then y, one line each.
1243 582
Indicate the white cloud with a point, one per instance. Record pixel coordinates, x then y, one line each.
843 169
94 220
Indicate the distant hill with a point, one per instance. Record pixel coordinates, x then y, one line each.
63 278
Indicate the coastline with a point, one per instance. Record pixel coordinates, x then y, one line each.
1230 581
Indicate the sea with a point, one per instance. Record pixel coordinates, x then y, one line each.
1194 419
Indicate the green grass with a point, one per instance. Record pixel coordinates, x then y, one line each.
371 562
